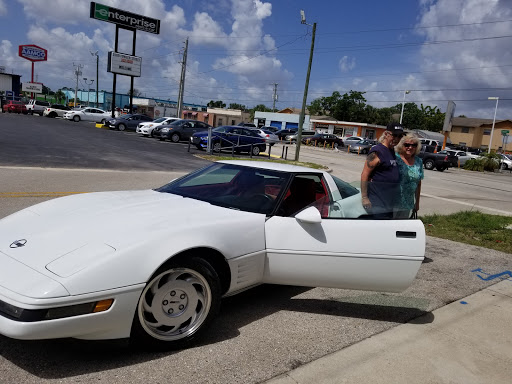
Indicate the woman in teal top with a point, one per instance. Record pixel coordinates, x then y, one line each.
410 167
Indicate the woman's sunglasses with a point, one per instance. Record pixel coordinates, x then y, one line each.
409 145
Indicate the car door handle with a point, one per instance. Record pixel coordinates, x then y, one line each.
406 234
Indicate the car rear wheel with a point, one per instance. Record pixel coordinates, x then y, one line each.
216 147
255 150
177 305
121 127
429 164
175 137
76 118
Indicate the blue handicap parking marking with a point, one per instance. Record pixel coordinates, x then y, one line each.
505 275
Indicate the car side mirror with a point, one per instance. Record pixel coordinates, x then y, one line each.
310 215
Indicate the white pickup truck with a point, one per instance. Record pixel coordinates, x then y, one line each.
37 106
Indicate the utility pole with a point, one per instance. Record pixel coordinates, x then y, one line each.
303 110
274 97
97 82
182 80
78 72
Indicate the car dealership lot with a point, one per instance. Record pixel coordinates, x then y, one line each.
260 333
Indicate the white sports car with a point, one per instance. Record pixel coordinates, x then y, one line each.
70 268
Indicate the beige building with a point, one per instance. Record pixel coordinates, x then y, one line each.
476 133
218 116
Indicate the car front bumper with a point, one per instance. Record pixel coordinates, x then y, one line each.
113 323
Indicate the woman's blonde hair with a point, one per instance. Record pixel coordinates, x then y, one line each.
399 148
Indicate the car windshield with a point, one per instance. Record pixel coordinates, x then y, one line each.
232 186
126 117
159 120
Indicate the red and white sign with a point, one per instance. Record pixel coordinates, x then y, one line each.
33 52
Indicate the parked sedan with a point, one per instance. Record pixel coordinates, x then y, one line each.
70 267
282 133
361 146
146 128
321 138
127 121
14 106
179 130
87 114
270 138
461 156
56 110
230 137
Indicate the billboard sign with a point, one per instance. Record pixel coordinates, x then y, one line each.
124 64
32 87
124 18
450 112
33 52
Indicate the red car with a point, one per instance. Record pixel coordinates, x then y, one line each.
15 106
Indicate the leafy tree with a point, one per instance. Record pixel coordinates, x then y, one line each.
237 106
59 95
216 104
259 108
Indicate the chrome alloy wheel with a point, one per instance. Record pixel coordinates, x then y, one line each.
174 304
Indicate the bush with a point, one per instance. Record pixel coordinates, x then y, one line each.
488 162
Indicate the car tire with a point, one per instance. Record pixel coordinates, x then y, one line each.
429 164
440 169
121 127
199 147
40 113
504 166
216 147
256 150
53 115
175 137
103 121
76 118
178 303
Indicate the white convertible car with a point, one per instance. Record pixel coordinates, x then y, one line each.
70 267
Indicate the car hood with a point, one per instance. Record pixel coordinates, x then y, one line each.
96 225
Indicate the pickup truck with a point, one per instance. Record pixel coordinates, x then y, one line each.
439 161
37 106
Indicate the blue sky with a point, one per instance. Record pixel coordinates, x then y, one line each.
440 50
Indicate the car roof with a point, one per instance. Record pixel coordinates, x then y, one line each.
272 166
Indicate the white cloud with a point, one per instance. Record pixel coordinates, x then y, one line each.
479 63
3 8
347 64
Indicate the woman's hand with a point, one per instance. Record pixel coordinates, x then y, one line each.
366 203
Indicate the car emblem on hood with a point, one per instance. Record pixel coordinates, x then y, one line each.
18 243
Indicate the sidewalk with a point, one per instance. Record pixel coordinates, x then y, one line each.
469 341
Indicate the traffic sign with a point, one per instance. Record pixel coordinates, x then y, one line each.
504 132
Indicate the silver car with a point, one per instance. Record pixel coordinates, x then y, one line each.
270 138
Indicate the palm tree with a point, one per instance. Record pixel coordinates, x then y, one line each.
59 95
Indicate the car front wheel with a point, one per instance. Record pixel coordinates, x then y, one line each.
177 305
76 118
175 137
121 127
255 150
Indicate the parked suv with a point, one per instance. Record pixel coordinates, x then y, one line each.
37 106
56 110
14 106
179 130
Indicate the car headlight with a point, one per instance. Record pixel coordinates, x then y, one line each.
165 130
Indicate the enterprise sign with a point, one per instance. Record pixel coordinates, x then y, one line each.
124 64
124 18
33 52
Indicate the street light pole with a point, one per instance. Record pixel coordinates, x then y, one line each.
403 103
88 89
303 110
97 69
493 121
